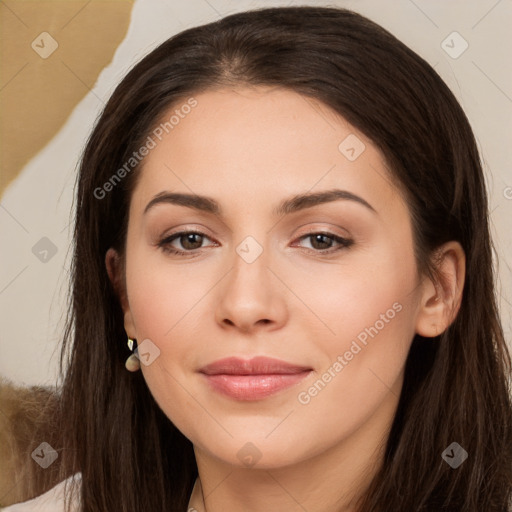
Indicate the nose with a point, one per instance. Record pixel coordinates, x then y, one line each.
251 297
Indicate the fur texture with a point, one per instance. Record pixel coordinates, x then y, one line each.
27 418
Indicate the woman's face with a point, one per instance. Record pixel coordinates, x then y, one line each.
325 283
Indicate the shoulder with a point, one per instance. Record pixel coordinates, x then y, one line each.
50 501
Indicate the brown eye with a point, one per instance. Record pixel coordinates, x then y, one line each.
191 241
326 242
320 241
188 241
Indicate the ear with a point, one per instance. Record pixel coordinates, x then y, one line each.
440 301
115 272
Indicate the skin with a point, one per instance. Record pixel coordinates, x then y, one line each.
249 149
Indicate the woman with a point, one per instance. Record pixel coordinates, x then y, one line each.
285 212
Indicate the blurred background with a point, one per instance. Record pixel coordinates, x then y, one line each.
61 60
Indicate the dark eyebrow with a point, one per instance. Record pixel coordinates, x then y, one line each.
197 202
310 199
291 205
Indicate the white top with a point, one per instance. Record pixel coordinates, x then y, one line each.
53 500
50 501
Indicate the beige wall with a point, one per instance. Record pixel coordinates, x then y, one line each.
51 56
48 106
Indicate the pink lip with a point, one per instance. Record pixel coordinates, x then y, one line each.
252 379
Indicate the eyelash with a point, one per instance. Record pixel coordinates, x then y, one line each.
164 244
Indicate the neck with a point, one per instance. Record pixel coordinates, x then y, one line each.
331 481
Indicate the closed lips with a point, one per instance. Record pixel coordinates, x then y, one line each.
256 366
255 379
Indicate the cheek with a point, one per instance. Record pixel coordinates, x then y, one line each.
367 309
373 318
162 296
162 305
168 307
361 373
360 294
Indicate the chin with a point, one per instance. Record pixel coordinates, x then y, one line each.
256 452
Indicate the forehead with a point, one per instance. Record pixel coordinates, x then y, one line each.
259 142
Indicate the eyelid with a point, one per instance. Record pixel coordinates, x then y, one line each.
166 240
342 241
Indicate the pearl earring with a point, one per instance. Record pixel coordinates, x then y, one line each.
132 363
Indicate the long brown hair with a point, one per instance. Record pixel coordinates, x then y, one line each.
456 386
